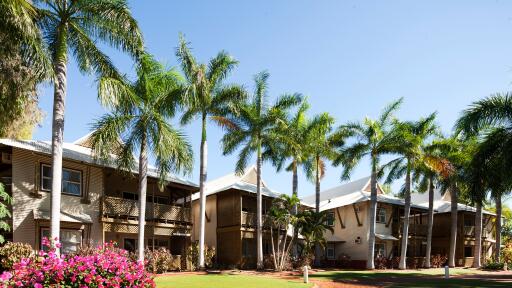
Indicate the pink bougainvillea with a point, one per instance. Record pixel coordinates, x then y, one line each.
108 266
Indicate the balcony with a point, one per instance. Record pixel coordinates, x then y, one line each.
414 229
248 219
113 207
469 231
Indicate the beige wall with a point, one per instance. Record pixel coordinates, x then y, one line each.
25 178
210 226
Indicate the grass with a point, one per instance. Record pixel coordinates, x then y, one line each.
410 278
223 281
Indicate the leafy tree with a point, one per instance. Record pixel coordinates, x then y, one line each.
139 122
5 213
413 135
281 219
76 27
373 139
253 130
206 96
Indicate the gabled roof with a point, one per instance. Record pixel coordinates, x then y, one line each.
351 193
245 182
81 153
442 202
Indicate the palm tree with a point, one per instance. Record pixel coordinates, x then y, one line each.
312 226
205 96
76 26
491 118
373 138
412 137
253 129
282 217
139 123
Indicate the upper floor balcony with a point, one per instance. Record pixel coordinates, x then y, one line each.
248 220
469 231
114 207
414 229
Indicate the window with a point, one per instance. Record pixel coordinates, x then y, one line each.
469 221
247 247
130 196
330 251
468 251
381 215
159 243
380 250
71 180
267 248
70 239
130 244
330 219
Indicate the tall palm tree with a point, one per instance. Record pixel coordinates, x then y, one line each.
413 135
139 123
76 26
373 138
206 96
491 118
252 130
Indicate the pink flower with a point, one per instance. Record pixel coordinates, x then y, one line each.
5 276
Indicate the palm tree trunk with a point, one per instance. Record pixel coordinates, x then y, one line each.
259 231
317 204
143 182
295 183
498 228
430 221
59 101
407 212
453 229
202 193
370 262
478 236
272 244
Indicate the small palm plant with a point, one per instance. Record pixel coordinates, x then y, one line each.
412 136
205 96
253 130
139 122
282 219
373 139
5 211
312 227
76 27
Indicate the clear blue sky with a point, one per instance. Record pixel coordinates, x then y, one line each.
350 57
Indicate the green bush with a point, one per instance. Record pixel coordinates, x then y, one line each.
491 265
13 252
193 255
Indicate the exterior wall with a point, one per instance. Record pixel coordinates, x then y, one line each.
26 182
210 226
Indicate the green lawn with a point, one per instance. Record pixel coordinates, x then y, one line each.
223 281
409 278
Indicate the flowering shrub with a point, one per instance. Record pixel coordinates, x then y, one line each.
160 260
108 267
13 252
438 260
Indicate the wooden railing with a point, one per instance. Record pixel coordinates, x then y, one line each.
118 207
248 219
414 229
470 231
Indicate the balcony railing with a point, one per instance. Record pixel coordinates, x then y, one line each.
470 231
248 219
119 208
414 229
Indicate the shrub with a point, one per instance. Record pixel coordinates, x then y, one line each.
382 263
193 255
109 266
413 262
13 252
343 261
159 260
506 253
438 260
491 265
268 262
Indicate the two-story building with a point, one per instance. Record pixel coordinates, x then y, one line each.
231 218
99 203
348 205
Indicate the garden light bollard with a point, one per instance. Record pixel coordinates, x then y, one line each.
446 272
306 280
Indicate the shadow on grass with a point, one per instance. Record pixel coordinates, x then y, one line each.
454 283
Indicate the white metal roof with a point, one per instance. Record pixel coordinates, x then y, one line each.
80 153
245 182
442 203
350 193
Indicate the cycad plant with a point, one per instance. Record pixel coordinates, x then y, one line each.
205 96
139 122
76 27
372 139
412 136
252 130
